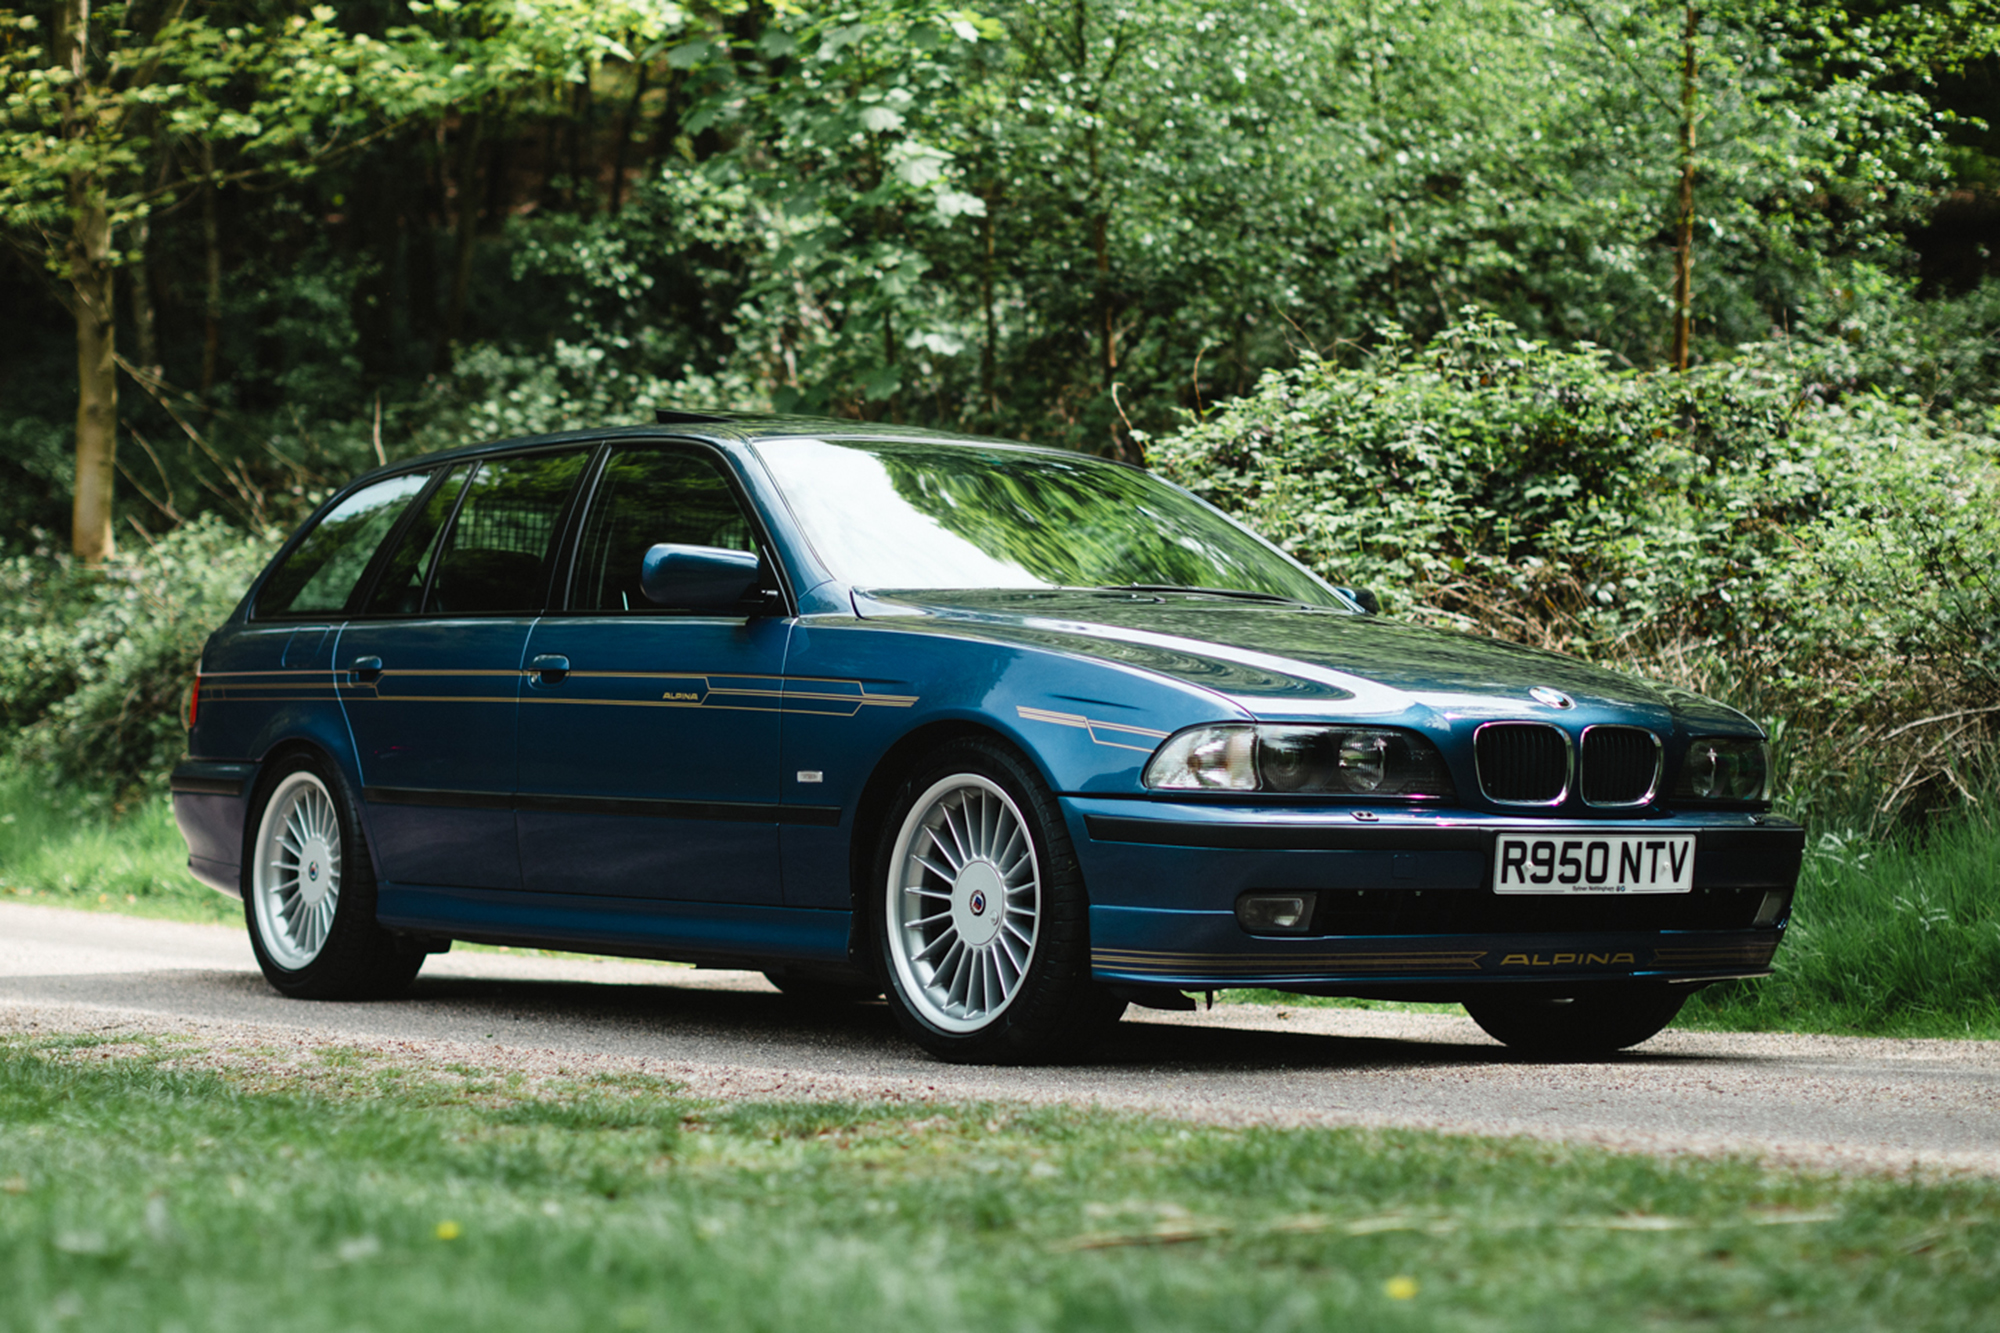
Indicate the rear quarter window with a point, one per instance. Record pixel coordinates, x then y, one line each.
318 576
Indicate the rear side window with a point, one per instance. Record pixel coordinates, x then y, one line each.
647 496
399 589
319 575
496 556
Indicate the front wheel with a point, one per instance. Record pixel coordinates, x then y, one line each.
1590 1022
982 919
309 892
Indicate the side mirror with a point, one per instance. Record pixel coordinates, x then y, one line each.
1363 598
698 578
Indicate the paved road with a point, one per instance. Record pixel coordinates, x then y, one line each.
1845 1103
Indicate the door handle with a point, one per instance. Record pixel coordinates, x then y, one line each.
365 669
551 667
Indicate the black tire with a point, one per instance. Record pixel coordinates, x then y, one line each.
304 837
1579 1024
1036 1000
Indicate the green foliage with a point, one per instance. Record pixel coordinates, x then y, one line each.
1823 562
96 678
1059 222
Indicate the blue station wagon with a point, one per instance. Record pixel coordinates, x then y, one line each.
1011 736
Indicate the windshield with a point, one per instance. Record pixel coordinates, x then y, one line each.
896 515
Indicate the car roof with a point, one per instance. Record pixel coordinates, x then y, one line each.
725 428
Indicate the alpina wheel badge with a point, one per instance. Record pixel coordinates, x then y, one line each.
978 902
312 870
1553 698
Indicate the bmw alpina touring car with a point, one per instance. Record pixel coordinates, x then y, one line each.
1010 736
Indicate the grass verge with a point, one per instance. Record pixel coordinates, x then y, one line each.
150 1184
65 852
1894 939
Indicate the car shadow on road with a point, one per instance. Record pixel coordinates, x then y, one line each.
712 1025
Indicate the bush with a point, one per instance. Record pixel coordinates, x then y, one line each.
1823 562
99 660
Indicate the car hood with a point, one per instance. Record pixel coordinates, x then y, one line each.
1280 660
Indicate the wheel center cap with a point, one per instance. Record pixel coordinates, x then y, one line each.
978 903
315 871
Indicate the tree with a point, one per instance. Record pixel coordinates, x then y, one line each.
101 101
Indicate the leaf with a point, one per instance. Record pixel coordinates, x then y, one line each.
688 55
881 119
956 203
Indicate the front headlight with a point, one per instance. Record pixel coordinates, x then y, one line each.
1726 768
1319 761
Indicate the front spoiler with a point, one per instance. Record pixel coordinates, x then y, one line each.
1207 951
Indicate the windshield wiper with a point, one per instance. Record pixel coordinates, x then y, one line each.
1242 594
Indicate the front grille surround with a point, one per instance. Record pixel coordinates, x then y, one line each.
1523 763
1619 767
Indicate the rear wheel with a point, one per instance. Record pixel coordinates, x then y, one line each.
1584 1023
309 892
982 920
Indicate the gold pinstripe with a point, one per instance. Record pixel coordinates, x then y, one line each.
1093 726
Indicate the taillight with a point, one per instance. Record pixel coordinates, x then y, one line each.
194 699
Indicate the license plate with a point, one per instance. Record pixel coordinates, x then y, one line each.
1580 861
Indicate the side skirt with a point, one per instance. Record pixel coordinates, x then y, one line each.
716 934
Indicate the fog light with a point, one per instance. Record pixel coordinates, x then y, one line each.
1771 909
1275 913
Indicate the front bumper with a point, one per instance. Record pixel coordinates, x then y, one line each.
1405 903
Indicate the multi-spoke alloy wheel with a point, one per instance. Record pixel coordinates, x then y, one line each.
296 877
309 891
981 919
965 903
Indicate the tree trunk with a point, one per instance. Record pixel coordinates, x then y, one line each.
211 240
627 123
891 409
465 234
88 261
145 323
1684 249
91 293
989 355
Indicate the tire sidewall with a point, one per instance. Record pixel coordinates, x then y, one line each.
353 939
1057 982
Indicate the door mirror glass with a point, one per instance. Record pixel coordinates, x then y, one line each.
699 578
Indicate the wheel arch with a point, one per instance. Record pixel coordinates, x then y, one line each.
877 796
274 757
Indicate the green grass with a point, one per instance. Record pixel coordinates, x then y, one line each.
1898 938
1895 939
63 851
363 1193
